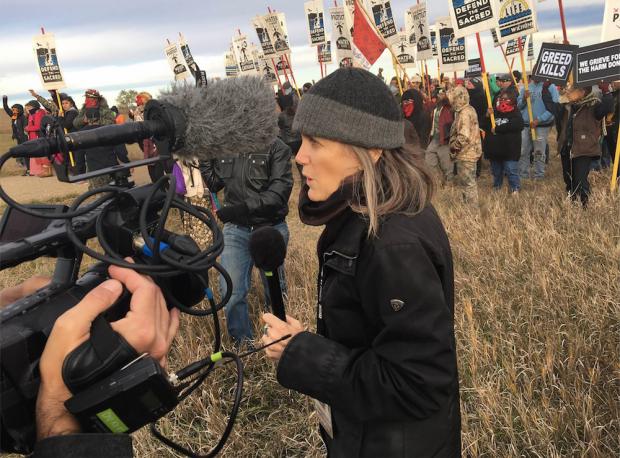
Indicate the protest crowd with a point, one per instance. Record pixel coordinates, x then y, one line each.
369 153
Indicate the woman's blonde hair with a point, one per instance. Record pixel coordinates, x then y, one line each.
398 182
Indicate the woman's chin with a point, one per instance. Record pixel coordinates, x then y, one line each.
315 196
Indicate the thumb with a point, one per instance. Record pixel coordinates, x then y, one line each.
96 301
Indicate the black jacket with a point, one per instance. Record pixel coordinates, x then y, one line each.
100 157
505 145
18 125
84 445
285 123
384 357
263 181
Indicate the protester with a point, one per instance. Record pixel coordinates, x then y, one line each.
394 89
306 87
382 364
413 111
478 100
611 125
93 99
438 151
119 117
257 188
579 140
288 107
39 166
101 157
465 143
19 121
503 145
543 120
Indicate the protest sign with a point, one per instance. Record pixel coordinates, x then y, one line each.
381 13
420 34
495 39
264 37
276 27
410 26
176 62
471 16
405 51
474 69
512 46
515 18
243 55
44 47
611 21
341 30
554 63
266 68
325 52
597 63
230 64
530 48
452 53
187 56
314 20
433 34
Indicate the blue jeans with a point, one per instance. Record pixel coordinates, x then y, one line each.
539 147
511 169
237 261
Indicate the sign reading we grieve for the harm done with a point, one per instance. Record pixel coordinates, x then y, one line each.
598 63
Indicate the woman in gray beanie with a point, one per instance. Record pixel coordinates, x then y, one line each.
381 366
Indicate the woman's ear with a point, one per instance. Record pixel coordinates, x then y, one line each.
375 154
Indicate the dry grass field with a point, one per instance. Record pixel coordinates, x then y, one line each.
537 284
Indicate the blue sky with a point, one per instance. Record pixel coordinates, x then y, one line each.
118 45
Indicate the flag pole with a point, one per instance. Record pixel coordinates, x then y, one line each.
527 88
485 81
563 20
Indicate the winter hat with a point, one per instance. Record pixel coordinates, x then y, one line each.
351 106
34 104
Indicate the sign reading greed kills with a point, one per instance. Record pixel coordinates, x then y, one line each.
515 18
598 63
554 62
471 16
47 61
314 19
474 70
453 57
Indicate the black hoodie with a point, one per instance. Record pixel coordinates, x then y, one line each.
18 125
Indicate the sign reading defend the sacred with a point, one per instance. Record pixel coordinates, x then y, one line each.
315 22
472 16
381 12
515 18
554 63
452 53
47 61
597 63
264 37
420 34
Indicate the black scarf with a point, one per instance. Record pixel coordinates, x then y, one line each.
319 213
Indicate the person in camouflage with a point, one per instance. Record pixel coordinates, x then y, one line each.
95 100
465 144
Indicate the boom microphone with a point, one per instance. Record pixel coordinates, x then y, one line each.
268 250
227 118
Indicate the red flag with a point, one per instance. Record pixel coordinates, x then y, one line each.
365 36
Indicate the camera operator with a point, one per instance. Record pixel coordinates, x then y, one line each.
148 327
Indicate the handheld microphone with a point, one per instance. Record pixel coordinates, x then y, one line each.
268 250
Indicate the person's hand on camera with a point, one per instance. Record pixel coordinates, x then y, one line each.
275 329
15 293
148 327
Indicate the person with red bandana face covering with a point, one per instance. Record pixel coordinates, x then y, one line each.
503 145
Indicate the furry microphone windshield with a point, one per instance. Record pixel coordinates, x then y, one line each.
227 118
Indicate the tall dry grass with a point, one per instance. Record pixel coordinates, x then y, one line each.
537 283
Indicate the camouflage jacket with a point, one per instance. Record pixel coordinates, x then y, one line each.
465 142
106 115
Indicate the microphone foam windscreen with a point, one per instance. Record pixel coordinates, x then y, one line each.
227 118
267 248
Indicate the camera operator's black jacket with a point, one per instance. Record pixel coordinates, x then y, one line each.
384 358
262 181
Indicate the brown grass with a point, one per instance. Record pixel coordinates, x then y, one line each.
537 305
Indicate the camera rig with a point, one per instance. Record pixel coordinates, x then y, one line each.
115 390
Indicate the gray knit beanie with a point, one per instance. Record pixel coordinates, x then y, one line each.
351 106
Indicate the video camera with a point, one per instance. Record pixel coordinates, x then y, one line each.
115 390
